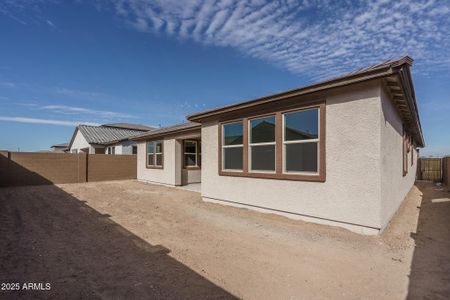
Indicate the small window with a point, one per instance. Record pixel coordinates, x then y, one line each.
134 150
262 144
111 150
232 146
155 154
301 141
190 154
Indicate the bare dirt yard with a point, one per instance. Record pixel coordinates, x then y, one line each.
127 239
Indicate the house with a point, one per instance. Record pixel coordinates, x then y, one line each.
170 155
60 148
111 138
341 152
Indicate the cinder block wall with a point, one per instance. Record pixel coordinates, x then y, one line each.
28 168
446 170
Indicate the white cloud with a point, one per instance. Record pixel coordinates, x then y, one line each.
315 38
45 121
81 110
50 23
7 84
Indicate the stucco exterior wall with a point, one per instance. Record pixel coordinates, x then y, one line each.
190 176
80 142
173 172
127 147
166 175
350 197
394 186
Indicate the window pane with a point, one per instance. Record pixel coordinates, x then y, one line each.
232 134
262 130
301 125
150 147
158 147
263 158
159 159
189 147
190 159
232 158
150 159
301 157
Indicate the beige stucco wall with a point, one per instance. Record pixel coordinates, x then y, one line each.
79 142
394 186
351 194
168 174
172 173
190 176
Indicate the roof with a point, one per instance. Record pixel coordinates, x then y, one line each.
104 135
395 70
129 126
179 128
63 145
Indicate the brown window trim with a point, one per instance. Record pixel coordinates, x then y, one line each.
147 165
320 177
405 148
197 155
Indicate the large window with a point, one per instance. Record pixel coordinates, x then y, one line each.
191 154
262 144
155 154
301 141
282 145
232 146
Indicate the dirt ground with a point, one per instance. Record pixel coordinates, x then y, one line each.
128 239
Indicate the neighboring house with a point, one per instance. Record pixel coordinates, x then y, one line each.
60 148
106 139
340 152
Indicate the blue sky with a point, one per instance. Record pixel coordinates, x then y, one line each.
153 62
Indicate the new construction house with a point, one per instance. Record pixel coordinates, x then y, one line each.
340 152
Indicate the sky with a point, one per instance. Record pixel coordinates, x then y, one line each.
63 63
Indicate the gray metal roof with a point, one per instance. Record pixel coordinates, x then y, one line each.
104 135
130 126
63 145
168 130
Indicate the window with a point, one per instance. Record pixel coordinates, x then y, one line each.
232 146
111 150
301 141
262 144
134 150
155 154
191 154
286 144
405 151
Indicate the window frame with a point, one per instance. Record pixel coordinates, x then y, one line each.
320 176
250 144
222 146
405 147
111 150
197 154
154 153
310 141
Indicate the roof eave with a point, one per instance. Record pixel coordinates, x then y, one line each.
167 133
339 82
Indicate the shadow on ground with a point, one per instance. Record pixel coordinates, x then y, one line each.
430 269
49 236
